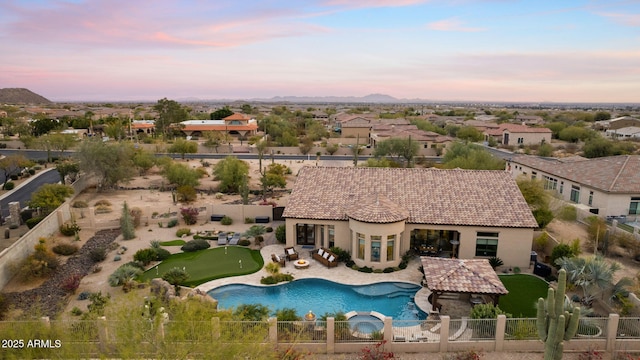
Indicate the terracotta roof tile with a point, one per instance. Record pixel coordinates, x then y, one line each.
431 196
474 276
378 210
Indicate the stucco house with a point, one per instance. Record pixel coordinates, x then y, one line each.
516 134
606 186
431 143
378 214
234 125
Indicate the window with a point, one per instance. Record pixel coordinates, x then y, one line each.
534 175
391 241
305 234
487 244
520 140
590 198
634 209
321 230
375 248
332 235
575 194
550 183
561 186
360 245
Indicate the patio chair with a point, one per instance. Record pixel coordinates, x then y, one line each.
234 240
222 238
277 259
291 253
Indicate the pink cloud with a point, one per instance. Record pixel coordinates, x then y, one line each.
624 19
372 3
452 24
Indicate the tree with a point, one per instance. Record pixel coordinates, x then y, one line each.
306 145
69 168
49 196
181 174
221 113
601 116
598 147
469 133
401 148
115 128
12 165
176 276
110 163
43 126
182 146
126 223
169 112
575 133
470 156
213 140
332 148
273 177
251 312
261 148
255 230
545 150
537 199
231 172
143 160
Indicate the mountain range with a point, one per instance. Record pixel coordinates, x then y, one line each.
21 96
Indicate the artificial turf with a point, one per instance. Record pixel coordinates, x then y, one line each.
524 291
173 243
210 264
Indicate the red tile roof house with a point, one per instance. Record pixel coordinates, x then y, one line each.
235 125
429 141
378 214
515 134
606 186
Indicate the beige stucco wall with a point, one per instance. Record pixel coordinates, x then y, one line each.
382 230
528 138
514 244
355 131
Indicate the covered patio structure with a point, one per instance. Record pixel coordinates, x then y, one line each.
466 277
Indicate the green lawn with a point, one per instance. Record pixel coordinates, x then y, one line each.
210 264
524 291
173 243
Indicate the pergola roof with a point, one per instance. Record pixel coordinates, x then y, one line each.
473 276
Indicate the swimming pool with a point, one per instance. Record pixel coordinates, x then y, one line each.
321 296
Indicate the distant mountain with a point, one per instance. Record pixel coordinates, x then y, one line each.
21 96
371 98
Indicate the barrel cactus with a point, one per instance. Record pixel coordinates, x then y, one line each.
554 323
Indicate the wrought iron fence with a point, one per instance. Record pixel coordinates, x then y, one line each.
628 328
521 329
592 327
416 330
472 329
302 332
234 330
344 332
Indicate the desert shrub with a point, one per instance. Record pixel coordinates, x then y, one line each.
268 229
9 185
135 263
186 193
403 265
189 215
276 278
281 234
69 228
79 204
32 171
464 355
40 263
98 254
343 255
388 270
349 263
33 221
103 202
495 261
136 216
162 254
83 295
568 213
172 223
487 311
76 311
71 283
249 220
244 242
195 245
98 302
103 209
561 250
145 256
541 241
183 231
226 220
365 269
124 274
65 249
13 177
258 240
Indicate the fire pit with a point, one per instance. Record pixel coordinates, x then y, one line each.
301 264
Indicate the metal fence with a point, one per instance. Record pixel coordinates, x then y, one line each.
231 331
592 327
628 328
472 329
345 333
302 332
521 329
416 330
191 331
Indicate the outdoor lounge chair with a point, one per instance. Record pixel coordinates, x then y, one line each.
234 240
277 259
222 238
291 253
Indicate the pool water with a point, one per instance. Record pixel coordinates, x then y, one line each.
321 296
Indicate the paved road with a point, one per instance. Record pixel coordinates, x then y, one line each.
23 193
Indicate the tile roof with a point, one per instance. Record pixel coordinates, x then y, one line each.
237 116
614 174
516 128
378 209
431 196
474 276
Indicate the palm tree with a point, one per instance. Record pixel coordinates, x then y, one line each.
593 274
175 277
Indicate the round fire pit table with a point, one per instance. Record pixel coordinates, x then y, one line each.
301 264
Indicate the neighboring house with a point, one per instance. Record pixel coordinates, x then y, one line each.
235 125
617 123
431 143
378 214
607 186
143 126
529 119
482 126
624 133
355 127
516 134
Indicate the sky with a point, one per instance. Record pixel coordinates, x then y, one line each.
456 50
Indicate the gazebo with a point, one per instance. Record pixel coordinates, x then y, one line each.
463 276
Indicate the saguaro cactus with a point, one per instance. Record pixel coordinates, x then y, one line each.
555 324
